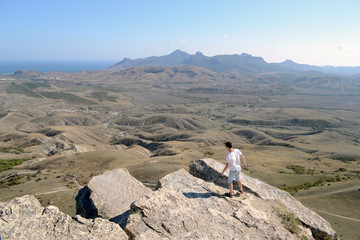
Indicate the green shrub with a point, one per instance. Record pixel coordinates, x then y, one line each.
310 171
296 188
209 153
297 169
331 180
9 163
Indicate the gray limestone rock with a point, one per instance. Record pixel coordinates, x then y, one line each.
186 207
210 170
24 218
110 195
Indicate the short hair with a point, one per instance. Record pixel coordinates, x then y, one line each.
228 144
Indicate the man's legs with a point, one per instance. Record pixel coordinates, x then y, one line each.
231 189
230 182
240 186
237 179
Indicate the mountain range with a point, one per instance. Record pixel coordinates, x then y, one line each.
244 63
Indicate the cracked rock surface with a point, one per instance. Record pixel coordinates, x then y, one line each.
210 170
186 207
24 218
110 195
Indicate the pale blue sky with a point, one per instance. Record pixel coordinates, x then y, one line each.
319 32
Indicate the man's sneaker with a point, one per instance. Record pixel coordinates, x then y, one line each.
229 195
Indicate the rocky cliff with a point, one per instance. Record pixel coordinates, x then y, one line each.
183 206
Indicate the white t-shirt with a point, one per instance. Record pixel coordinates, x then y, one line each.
234 159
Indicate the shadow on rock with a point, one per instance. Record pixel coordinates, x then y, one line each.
121 219
201 195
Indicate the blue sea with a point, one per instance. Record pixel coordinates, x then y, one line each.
54 65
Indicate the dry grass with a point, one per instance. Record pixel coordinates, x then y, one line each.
174 109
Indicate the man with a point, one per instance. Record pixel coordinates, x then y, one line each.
233 161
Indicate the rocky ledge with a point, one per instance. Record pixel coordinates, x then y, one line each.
210 170
24 218
183 206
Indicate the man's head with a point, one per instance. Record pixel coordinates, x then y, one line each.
228 146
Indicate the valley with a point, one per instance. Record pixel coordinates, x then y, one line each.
300 131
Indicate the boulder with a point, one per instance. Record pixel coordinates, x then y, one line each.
110 195
186 207
24 218
210 170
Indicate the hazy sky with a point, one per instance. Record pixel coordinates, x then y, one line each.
319 32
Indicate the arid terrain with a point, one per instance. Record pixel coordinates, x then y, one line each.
300 131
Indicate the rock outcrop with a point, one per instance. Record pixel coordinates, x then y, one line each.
24 218
210 170
183 206
110 195
186 207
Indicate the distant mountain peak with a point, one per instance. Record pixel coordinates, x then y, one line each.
246 55
198 53
127 60
178 52
289 61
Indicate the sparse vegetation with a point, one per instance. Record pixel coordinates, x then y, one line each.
103 96
288 219
19 89
310 171
35 85
314 159
345 159
11 181
321 182
341 170
297 169
208 153
9 163
296 188
68 97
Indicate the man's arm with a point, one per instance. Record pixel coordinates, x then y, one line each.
226 167
243 160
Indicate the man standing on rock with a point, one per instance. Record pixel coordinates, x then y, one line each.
233 161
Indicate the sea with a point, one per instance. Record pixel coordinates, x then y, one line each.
55 65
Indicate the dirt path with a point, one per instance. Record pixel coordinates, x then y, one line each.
74 180
329 193
54 191
335 215
6 117
32 91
